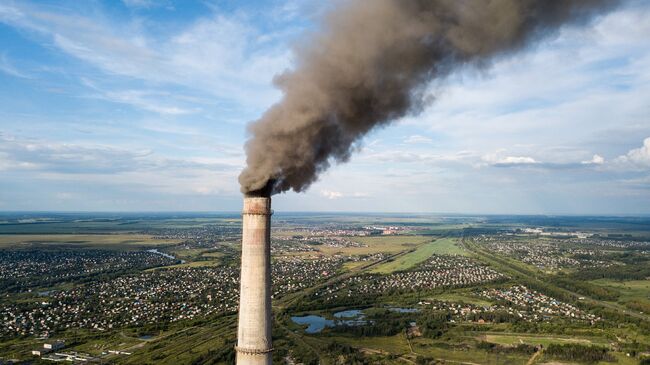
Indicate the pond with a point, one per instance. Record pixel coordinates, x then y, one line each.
315 324
350 313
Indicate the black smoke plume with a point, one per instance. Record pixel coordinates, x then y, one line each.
369 64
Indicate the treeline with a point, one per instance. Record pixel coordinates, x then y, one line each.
434 325
346 354
383 328
522 349
636 271
638 306
430 324
578 352
581 287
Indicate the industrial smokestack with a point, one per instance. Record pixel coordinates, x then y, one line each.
369 64
254 334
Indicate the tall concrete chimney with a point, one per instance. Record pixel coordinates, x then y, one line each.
254 334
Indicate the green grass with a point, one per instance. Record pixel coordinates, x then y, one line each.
394 344
461 297
440 247
633 289
378 244
516 339
443 351
81 240
635 294
448 246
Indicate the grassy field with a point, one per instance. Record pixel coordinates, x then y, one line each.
634 289
621 359
183 346
394 344
423 252
82 240
461 297
519 338
444 351
635 294
378 244
448 246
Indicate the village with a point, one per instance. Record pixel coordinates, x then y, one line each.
152 297
23 269
437 272
549 253
532 305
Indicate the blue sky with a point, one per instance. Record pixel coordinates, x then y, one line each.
142 105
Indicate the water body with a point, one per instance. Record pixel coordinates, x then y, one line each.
153 250
350 313
315 323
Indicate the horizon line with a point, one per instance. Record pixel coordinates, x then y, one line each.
610 215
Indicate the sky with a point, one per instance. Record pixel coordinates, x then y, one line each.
142 105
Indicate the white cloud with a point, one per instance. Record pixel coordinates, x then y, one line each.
596 160
217 55
638 157
95 159
331 194
334 195
496 159
418 139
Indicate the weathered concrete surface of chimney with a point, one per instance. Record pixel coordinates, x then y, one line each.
254 335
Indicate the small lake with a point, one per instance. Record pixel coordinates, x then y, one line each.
315 324
351 313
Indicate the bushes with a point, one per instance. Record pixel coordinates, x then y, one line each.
577 352
634 271
524 349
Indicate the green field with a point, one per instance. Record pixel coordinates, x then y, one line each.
635 294
378 244
633 289
443 246
461 298
519 338
120 241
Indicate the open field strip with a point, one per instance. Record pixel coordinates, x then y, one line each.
378 244
518 338
85 240
461 298
431 348
421 254
631 289
394 344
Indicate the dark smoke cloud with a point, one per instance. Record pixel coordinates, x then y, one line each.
370 64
